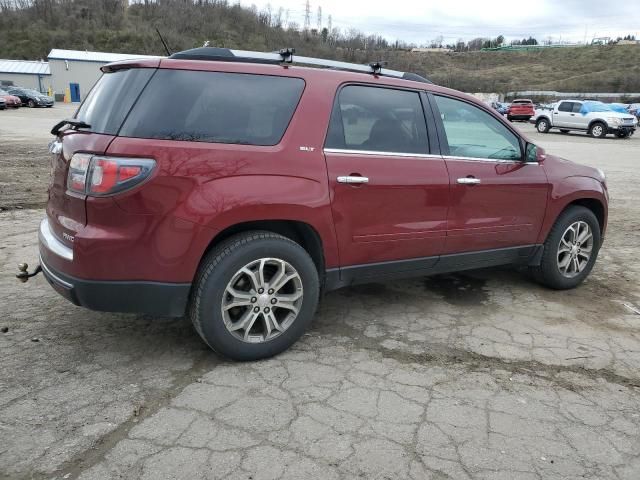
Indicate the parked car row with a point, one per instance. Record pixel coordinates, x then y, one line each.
15 97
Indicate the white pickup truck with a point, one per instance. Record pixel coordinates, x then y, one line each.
595 118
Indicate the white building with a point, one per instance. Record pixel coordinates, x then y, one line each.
23 73
78 70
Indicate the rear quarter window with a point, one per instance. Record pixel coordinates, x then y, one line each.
111 98
214 107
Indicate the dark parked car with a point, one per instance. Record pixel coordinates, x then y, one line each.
271 182
31 98
3 103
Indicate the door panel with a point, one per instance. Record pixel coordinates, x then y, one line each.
505 209
399 213
497 200
399 209
563 116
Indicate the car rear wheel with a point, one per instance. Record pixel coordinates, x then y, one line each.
598 130
570 250
255 295
542 125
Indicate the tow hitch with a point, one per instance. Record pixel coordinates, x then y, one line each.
24 275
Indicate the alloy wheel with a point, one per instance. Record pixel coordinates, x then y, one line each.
262 300
575 249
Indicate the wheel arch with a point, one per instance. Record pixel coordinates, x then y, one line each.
597 120
593 204
300 232
575 190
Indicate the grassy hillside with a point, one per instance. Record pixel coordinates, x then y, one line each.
32 31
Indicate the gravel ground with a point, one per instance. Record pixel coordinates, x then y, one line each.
483 375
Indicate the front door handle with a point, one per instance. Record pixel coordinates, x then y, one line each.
468 181
353 179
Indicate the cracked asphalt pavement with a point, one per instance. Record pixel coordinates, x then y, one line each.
481 375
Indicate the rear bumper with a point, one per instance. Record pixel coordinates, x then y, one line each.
157 298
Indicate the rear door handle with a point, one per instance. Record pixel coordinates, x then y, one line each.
353 179
468 181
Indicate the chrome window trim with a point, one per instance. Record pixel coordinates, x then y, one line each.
382 154
489 160
49 241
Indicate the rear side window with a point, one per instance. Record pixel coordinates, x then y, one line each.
111 98
378 119
214 107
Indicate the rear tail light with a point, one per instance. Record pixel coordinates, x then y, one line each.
102 176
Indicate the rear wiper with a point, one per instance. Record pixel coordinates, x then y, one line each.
71 122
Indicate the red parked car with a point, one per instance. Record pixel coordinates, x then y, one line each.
269 183
521 109
10 101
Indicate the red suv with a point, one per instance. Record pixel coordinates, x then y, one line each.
521 109
268 183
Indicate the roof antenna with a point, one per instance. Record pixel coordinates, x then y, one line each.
163 43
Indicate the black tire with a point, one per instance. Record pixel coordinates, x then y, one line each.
598 130
217 269
548 273
509 118
543 125
623 134
31 104
564 130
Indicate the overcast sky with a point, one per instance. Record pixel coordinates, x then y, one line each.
420 21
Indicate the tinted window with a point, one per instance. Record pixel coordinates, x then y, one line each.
111 98
576 107
472 132
378 119
214 107
566 107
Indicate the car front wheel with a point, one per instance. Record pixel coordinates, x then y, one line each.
598 130
255 295
31 104
570 250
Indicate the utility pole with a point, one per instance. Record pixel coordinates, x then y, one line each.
307 15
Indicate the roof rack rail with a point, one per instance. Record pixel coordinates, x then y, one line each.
285 55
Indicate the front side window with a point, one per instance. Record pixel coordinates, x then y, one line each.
474 133
214 107
565 107
378 120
